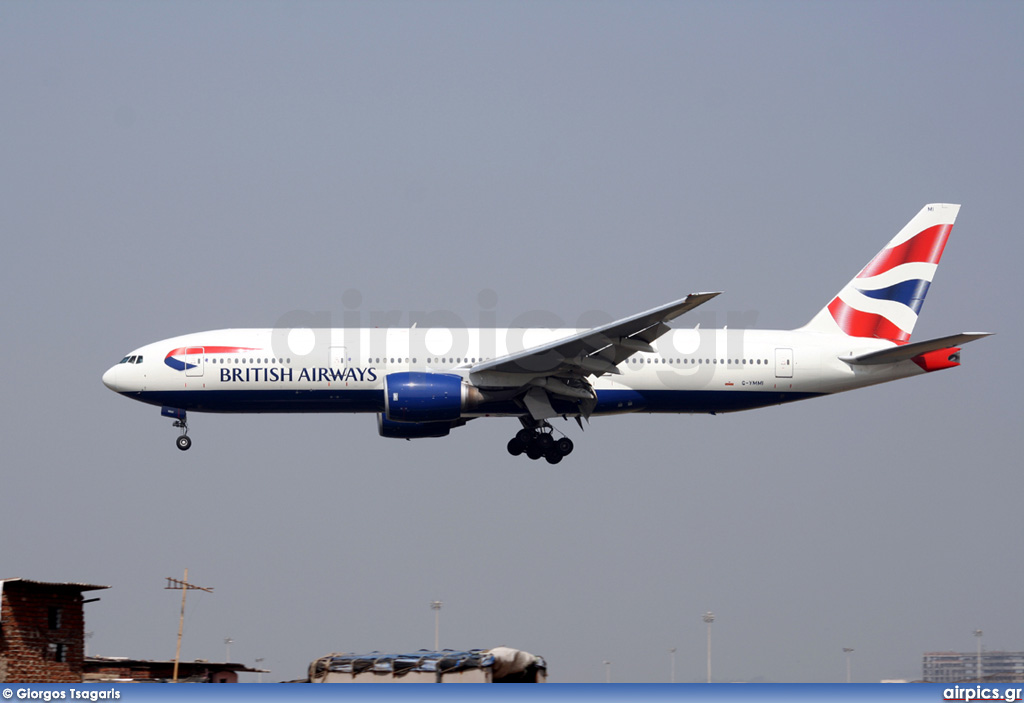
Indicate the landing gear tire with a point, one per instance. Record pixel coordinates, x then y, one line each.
184 442
537 440
516 446
545 442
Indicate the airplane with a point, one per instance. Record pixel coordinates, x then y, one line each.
424 382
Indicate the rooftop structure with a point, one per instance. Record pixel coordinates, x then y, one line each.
123 669
498 665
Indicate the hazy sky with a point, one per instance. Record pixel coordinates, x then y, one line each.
173 167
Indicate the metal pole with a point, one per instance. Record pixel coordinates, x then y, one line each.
607 671
436 607
672 656
709 618
847 650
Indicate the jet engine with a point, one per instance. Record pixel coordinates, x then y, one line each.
415 396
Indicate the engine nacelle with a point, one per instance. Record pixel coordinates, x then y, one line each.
412 396
413 430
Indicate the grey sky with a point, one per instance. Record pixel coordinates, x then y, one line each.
174 167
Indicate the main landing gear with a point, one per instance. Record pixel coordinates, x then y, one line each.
537 442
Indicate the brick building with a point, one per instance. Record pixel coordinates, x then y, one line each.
42 631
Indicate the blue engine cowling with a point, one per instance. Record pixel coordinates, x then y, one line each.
420 397
413 430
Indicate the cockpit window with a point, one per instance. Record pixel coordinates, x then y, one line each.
124 360
138 359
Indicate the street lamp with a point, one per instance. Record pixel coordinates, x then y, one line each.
978 634
607 671
847 650
227 649
709 618
435 605
672 657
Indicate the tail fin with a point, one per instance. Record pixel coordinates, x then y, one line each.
884 299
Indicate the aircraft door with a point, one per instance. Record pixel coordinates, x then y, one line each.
194 361
783 363
339 358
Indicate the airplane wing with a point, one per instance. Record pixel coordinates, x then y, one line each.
909 351
560 368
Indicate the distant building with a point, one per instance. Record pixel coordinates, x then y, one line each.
123 669
953 667
42 631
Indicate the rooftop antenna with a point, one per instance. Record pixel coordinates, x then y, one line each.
184 586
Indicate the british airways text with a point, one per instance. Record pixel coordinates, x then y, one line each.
310 375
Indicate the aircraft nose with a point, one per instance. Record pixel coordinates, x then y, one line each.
110 378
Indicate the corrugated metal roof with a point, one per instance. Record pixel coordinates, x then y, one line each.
443 661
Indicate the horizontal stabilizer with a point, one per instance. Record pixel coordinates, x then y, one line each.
909 351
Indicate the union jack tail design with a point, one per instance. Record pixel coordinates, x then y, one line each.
884 299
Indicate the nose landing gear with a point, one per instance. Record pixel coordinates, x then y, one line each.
183 442
539 441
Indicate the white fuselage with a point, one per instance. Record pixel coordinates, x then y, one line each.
344 370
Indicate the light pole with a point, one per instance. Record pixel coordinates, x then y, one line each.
607 671
672 658
259 660
978 634
709 618
435 605
227 649
847 650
